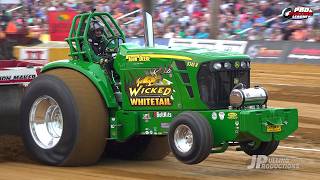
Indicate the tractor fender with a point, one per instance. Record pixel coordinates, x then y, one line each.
93 72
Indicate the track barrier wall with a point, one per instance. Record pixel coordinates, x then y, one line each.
260 51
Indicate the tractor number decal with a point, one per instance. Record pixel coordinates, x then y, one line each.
150 90
147 57
192 64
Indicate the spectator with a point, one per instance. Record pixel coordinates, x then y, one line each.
169 33
266 9
181 18
203 33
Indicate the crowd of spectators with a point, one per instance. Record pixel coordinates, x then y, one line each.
238 19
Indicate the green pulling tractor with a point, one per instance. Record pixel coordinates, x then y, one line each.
143 102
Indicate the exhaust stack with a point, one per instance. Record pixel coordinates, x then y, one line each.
148 24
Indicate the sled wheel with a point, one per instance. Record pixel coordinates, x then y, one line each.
190 138
259 148
64 119
146 148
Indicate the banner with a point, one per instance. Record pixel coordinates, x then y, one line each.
267 51
284 51
34 55
306 52
60 24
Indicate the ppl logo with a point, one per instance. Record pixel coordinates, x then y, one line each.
297 13
64 17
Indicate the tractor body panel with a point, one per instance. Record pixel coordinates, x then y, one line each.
144 69
227 125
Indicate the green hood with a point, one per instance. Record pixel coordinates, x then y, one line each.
192 53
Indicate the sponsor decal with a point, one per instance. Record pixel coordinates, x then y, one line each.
162 114
146 131
232 115
259 51
17 75
265 52
221 115
147 57
303 53
160 70
137 58
33 54
155 130
60 24
146 116
297 13
214 116
148 80
151 90
64 17
165 125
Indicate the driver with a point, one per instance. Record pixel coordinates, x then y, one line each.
97 39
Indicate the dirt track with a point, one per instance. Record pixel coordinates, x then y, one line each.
289 85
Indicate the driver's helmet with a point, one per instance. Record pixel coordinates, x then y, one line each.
96 28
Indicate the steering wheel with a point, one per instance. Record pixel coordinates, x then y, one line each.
114 39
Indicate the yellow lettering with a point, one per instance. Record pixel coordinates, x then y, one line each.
167 102
161 103
160 90
157 101
141 101
135 91
134 101
167 91
148 90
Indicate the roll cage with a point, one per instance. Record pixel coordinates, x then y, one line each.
80 48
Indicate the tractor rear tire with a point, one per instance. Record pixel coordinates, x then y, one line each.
190 138
145 148
84 119
263 148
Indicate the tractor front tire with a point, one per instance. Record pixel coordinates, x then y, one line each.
261 148
190 137
64 119
145 148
